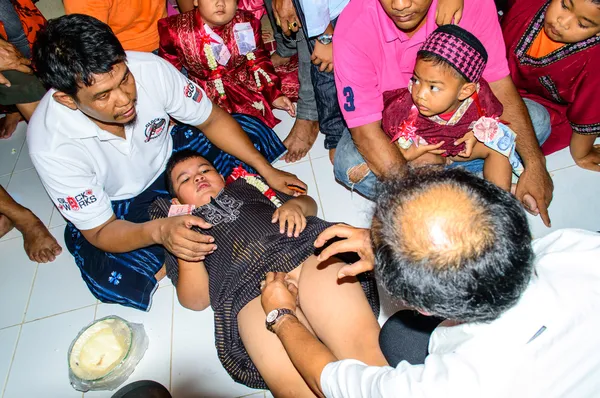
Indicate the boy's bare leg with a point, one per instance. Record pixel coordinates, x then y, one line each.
496 167
267 353
39 244
339 312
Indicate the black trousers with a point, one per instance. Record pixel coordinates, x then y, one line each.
405 337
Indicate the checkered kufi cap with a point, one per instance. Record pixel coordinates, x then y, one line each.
461 49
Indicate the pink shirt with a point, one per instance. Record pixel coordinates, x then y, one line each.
371 55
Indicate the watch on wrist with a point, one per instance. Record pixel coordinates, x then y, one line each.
325 39
274 316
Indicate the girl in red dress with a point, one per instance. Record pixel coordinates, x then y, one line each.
222 50
553 49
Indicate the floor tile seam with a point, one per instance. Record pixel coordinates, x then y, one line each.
37 266
252 394
17 162
303 160
59 313
12 360
23 170
312 169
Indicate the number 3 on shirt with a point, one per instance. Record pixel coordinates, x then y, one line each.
349 94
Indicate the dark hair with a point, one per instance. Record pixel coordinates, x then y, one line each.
437 60
174 160
488 262
72 48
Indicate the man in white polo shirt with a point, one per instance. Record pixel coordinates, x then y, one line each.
100 140
520 319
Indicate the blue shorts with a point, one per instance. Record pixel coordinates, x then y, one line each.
128 278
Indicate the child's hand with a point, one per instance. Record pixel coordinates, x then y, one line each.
470 141
323 55
591 161
413 152
447 10
285 104
290 213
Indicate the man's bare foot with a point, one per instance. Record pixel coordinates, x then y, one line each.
528 201
5 225
300 140
40 245
8 124
162 272
278 60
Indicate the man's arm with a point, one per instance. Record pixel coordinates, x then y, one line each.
374 145
120 236
534 180
224 132
306 352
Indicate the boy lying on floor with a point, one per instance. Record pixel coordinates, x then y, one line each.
259 230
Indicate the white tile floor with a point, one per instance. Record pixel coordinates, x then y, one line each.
43 306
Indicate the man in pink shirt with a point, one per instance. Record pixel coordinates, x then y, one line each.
375 46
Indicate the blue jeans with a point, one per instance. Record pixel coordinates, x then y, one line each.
331 120
13 27
347 155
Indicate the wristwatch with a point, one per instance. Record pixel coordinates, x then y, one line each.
274 316
325 39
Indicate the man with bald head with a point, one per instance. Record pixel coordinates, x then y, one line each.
505 316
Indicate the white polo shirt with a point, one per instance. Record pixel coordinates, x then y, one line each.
548 345
84 167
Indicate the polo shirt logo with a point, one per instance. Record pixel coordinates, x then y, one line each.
155 128
349 94
78 202
191 91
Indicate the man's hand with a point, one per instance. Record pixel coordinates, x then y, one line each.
290 213
280 180
277 293
449 11
536 183
12 59
357 240
285 104
286 17
470 141
323 55
176 236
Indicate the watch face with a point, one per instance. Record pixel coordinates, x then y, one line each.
272 316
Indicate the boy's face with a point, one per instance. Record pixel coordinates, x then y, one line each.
571 21
436 89
216 12
195 181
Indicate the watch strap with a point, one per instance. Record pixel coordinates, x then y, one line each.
280 313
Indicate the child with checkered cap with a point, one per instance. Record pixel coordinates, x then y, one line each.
448 113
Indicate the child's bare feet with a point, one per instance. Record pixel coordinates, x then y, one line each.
8 124
278 60
40 245
300 140
5 225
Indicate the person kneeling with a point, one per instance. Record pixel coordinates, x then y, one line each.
259 230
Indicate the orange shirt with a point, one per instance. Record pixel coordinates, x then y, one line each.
543 45
133 21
